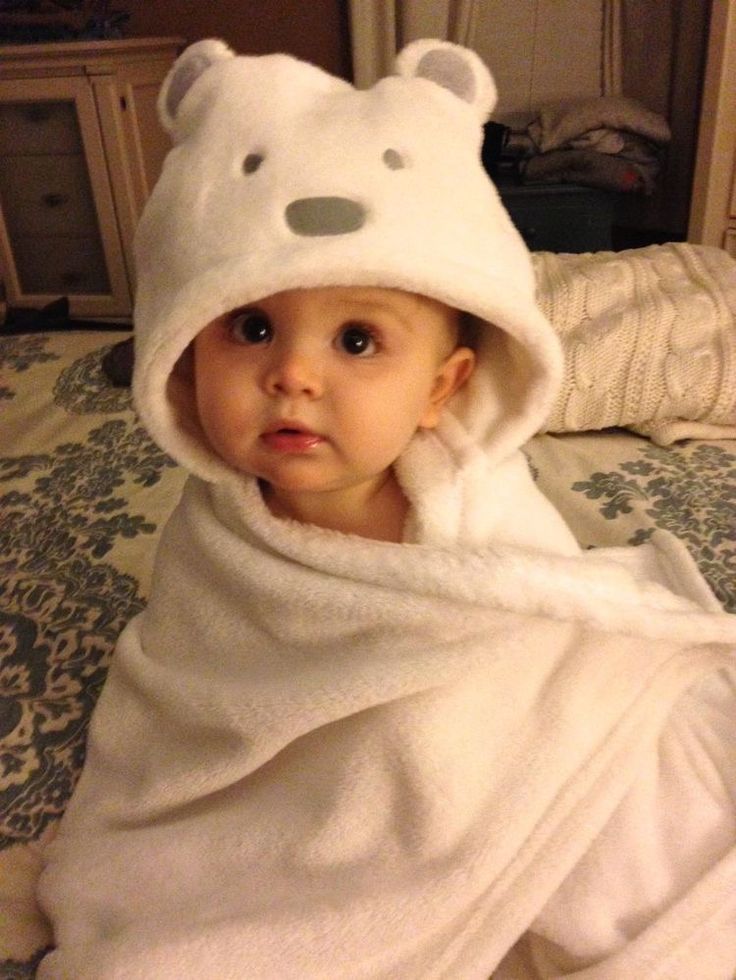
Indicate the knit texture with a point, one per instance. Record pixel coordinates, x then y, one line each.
649 337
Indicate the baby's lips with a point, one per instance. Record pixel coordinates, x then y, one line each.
291 440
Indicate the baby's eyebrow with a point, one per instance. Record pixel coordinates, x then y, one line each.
245 308
370 307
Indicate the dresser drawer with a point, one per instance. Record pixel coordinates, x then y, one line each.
80 147
47 195
560 217
39 127
61 266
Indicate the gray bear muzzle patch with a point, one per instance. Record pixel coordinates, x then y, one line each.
325 216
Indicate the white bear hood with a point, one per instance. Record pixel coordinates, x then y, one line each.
283 176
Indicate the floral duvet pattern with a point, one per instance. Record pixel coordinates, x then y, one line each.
688 490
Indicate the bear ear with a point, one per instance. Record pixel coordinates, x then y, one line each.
185 71
457 69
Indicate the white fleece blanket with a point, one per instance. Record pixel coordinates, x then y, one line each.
388 775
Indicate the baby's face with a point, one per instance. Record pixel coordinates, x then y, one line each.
322 389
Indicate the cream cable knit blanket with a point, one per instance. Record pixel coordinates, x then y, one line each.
649 337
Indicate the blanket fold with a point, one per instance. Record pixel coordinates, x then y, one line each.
611 142
258 785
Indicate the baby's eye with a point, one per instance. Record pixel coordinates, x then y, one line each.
251 327
357 340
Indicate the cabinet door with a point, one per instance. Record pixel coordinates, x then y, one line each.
59 234
135 142
713 205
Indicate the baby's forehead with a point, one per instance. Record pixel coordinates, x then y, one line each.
378 299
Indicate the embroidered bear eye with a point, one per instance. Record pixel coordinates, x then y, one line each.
393 159
252 162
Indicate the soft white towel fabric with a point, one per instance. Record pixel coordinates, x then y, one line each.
388 775
320 756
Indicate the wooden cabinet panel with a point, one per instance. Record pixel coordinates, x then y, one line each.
135 142
47 196
39 127
58 265
80 150
713 207
25 285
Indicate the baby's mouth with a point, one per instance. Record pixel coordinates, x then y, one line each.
291 439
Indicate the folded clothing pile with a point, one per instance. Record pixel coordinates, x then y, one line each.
610 142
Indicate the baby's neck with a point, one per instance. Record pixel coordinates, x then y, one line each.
376 511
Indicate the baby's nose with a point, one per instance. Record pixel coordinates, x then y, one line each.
294 373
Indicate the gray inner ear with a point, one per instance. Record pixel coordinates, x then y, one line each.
448 70
182 80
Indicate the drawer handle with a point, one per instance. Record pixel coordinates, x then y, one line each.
54 200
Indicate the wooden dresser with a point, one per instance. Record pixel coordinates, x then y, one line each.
80 149
713 206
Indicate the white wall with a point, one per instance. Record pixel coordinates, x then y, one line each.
540 51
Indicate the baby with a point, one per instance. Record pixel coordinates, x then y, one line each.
381 717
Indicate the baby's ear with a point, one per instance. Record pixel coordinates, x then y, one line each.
457 69
452 375
185 71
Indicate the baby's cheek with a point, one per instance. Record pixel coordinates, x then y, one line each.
217 415
395 427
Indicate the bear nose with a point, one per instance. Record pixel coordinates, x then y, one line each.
325 215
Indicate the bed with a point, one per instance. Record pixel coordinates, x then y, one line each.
84 494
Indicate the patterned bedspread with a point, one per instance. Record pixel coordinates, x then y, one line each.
83 495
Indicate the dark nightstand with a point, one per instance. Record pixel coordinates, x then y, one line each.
560 217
